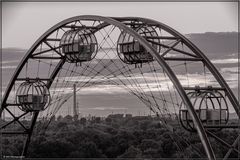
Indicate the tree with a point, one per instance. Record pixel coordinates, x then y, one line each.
132 152
108 120
97 120
89 150
152 153
144 124
59 118
149 143
68 118
100 140
83 121
75 118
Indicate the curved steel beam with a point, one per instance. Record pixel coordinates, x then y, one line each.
143 42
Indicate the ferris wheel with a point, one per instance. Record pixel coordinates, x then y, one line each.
147 58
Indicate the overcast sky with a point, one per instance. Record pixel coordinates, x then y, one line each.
23 23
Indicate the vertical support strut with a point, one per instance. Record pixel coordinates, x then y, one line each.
30 131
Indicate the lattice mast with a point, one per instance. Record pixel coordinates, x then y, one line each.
75 113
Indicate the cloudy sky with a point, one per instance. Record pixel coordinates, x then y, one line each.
23 23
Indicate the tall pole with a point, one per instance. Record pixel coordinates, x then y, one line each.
74 101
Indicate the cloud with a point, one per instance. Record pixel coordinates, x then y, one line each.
107 108
8 67
11 61
99 85
224 61
230 70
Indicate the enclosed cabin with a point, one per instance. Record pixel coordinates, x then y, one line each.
79 45
210 106
33 95
131 51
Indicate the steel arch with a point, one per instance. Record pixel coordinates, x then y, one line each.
117 22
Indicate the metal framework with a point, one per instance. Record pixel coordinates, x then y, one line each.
127 25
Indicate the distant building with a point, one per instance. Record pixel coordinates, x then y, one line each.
128 115
115 116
